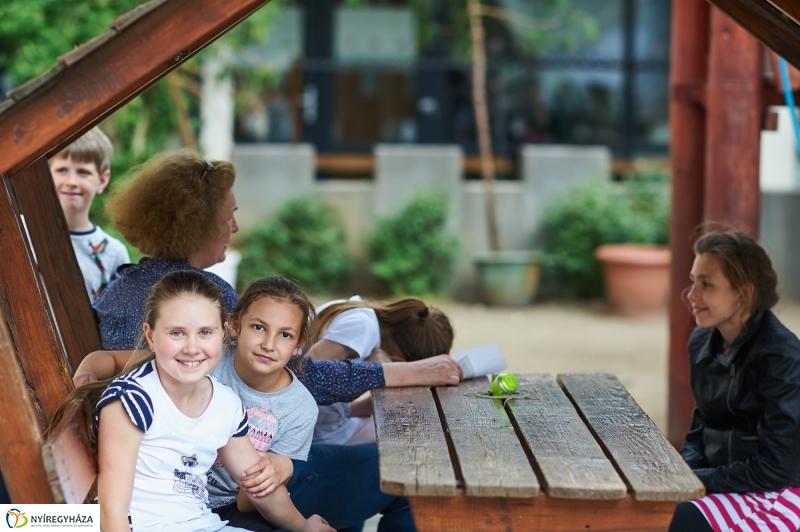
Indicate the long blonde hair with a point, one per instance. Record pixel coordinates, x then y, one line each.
419 331
83 400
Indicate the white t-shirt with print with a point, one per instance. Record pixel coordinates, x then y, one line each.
169 487
359 330
99 255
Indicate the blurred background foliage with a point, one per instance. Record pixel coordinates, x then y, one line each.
600 212
411 252
305 242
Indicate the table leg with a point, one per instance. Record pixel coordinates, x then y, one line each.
489 514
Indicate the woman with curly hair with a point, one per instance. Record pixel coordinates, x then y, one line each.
178 209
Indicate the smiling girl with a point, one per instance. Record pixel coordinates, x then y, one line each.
269 325
745 376
164 422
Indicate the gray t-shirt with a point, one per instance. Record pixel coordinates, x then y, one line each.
281 422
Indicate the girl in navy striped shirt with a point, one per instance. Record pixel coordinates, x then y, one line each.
163 423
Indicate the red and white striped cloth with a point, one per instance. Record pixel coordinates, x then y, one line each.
775 511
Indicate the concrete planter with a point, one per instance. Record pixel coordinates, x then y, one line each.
636 277
508 277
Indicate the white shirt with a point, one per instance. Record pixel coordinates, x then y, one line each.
359 330
169 487
99 255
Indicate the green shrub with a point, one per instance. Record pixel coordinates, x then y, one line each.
599 213
304 242
411 253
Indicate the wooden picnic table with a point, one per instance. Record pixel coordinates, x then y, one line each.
575 453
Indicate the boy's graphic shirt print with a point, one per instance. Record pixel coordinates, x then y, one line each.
99 255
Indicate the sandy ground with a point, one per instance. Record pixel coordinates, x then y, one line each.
559 338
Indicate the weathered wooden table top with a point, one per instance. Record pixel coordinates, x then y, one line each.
576 443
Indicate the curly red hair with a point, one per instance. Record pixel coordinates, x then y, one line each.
169 208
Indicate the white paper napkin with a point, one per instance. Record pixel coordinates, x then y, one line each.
480 361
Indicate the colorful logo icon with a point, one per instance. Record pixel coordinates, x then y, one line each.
16 518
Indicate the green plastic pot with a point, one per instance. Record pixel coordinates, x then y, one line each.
508 278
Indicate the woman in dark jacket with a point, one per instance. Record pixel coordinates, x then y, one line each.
744 441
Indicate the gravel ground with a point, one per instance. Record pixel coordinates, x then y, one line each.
559 338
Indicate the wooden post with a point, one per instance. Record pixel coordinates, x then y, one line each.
36 343
733 137
21 437
690 19
38 201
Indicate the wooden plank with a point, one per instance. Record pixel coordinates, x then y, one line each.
20 438
62 276
32 328
491 459
767 23
413 454
789 8
361 164
539 514
71 470
649 463
502 165
571 462
151 45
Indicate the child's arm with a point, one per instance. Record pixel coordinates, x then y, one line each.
100 365
434 371
362 407
330 350
118 444
277 508
269 473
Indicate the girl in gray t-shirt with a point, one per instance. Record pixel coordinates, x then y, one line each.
268 328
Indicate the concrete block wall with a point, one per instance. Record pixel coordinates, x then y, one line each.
268 175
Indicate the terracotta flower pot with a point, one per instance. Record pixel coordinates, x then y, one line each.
636 277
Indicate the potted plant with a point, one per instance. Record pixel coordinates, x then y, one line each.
510 277
616 229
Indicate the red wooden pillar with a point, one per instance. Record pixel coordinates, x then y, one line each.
735 115
688 70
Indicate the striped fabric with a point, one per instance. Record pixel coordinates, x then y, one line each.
775 511
135 400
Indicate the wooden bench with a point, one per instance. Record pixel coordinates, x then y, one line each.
575 454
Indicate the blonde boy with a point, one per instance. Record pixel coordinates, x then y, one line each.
80 171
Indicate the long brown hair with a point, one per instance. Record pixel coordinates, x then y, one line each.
743 262
281 290
419 331
83 400
174 204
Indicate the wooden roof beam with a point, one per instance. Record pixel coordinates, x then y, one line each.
776 23
92 81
